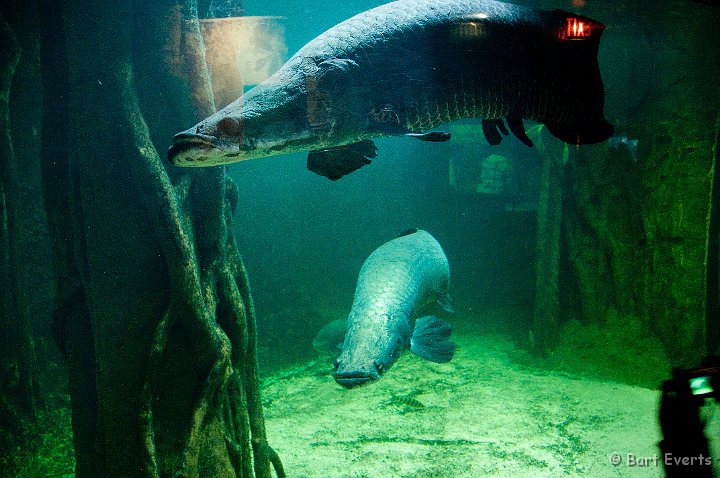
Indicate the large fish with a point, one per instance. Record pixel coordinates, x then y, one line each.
404 68
396 280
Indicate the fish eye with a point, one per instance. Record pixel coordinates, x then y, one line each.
228 126
336 363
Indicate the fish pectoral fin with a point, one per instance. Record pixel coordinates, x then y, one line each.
445 302
432 136
492 129
334 163
430 340
515 124
396 130
582 132
384 119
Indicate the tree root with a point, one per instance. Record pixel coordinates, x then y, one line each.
145 425
210 299
276 463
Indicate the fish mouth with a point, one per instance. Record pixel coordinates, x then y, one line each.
355 379
192 149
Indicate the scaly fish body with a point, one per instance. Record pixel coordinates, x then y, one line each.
404 68
396 280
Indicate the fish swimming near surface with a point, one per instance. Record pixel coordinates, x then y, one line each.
396 280
404 68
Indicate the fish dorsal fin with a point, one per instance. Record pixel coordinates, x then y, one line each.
407 232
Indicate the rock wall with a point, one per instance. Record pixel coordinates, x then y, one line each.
636 221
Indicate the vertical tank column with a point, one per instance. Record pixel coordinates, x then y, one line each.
712 300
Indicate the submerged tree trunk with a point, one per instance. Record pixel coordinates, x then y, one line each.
17 397
546 314
154 311
712 294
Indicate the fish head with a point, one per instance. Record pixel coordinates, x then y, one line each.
368 352
263 122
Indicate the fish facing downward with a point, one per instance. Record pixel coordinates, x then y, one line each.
404 68
396 280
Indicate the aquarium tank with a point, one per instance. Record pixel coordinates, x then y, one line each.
359 239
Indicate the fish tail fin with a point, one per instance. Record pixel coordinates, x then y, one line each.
582 132
430 340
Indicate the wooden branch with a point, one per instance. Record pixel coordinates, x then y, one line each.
147 431
241 282
238 404
201 93
252 379
216 379
232 306
276 463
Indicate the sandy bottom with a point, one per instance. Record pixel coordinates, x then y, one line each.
480 415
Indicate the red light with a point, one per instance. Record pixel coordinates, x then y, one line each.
576 29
